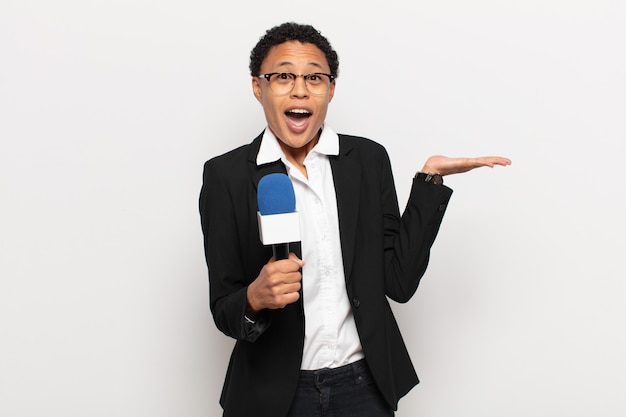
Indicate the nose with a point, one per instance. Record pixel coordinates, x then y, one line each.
299 87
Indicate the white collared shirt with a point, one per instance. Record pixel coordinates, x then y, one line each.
331 338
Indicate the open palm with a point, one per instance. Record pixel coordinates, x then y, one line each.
447 166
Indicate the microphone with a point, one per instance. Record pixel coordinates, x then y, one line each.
279 222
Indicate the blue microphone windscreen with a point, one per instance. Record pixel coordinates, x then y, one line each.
275 195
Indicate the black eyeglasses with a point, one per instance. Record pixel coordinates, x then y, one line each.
282 83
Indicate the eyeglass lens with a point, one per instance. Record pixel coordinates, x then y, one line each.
283 83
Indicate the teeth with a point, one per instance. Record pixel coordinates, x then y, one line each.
299 111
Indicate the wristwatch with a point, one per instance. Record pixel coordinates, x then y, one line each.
435 179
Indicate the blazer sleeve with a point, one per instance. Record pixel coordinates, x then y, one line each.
228 276
409 238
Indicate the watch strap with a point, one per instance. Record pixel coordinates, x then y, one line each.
435 179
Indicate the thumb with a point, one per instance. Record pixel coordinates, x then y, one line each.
297 260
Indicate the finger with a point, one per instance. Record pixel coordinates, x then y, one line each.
497 160
293 257
292 277
286 267
289 299
280 301
291 288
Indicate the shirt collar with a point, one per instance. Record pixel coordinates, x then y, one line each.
270 150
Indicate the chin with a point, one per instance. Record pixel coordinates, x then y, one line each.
296 144
298 141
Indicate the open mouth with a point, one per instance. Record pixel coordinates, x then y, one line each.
298 119
298 114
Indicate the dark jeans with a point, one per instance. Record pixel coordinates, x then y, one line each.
348 391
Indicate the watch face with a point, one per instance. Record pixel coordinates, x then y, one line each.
437 179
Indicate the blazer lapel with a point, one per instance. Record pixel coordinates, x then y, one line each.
258 172
347 179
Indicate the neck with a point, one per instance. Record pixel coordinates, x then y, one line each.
297 155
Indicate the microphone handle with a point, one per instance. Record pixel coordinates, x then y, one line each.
281 251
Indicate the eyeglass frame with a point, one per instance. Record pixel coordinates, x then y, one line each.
295 76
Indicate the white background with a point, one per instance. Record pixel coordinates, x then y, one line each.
108 110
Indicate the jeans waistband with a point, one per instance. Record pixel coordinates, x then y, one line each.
356 372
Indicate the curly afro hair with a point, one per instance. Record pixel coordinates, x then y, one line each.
292 32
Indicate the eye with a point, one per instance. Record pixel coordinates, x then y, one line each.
314 78
284 76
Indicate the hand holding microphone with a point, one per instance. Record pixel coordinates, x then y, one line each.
278 283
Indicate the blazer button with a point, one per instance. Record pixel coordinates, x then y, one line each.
356 302
442 207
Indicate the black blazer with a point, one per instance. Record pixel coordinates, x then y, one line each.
384 256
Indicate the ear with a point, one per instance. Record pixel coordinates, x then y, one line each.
331 91
257 90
